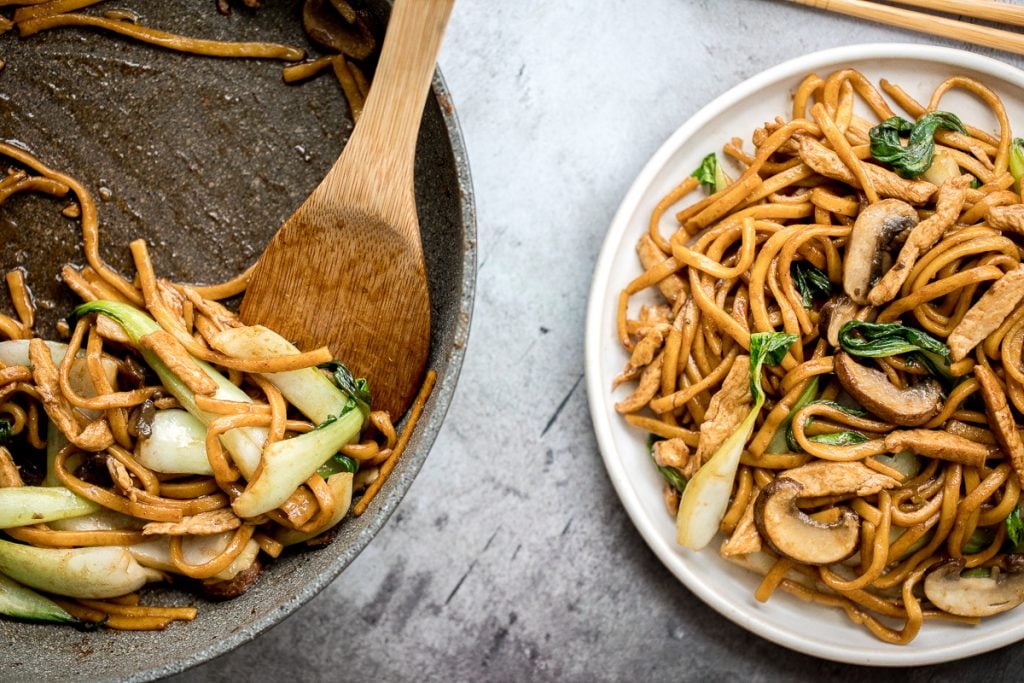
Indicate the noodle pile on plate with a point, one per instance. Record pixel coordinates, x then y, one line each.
165 438
833 376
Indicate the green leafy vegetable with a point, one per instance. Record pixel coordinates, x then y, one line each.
791 440
24 505
848 438
976 573
5 431
1017 162
671 474
878 340
289 462
93 572
338 463
1015 528
245 443
979 540
770 348
914 158
810 281
358 390
710 174
782 441
706 497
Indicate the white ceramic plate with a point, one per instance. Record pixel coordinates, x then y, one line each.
811 629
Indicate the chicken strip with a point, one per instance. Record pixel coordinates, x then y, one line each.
727 408
1000 418
650 256
886 183
948 205
987 313
1007 218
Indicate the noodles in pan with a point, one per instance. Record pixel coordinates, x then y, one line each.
833 376
163 437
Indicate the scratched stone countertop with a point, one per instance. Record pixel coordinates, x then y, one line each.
511 557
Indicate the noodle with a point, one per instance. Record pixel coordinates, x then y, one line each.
104 412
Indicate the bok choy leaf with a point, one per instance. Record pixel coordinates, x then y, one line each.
704 502
710 174
341 413
25 505
810 281
878 340
914 158
1017 162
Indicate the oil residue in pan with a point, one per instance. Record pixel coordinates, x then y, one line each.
204 158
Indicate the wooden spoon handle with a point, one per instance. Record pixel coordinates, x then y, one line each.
383 145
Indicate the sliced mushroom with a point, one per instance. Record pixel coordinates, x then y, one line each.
867 252
908 407
793 533
969 596
328 29
948 205
838 311
232 588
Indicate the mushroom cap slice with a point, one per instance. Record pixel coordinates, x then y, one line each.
329 29
793 533
836 312
908 407
973 596
874 232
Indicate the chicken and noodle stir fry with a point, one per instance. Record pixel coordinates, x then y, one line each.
160 438
832 374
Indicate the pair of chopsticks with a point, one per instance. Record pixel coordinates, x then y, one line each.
989 10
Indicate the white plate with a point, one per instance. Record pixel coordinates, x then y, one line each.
812 629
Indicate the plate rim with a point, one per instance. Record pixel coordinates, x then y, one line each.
598 395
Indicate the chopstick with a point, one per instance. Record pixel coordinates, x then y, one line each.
989 10
929 23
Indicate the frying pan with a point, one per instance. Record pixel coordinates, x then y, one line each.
205 158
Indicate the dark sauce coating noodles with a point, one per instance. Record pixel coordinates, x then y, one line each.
94 410
908 462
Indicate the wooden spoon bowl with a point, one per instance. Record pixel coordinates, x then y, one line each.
346 269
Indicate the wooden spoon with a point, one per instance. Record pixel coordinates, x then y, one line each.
346 270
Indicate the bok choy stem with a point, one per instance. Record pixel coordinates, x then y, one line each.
245 444
97 572
706 498
24 603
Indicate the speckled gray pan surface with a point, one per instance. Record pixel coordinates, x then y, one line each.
205 158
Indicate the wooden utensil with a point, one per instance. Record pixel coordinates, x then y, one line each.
939 26
346 269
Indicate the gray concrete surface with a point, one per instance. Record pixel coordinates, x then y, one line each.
511 558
